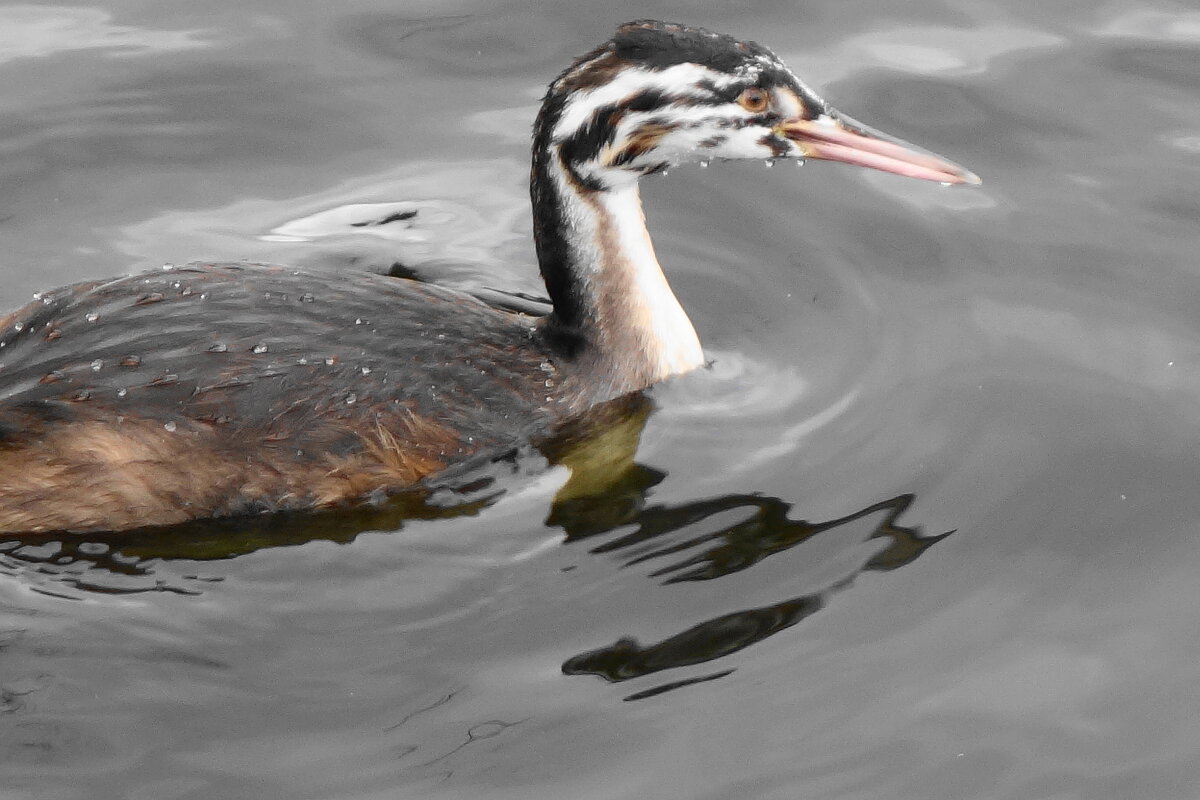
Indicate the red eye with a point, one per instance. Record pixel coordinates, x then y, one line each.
754 99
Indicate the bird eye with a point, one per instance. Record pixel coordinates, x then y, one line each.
753 99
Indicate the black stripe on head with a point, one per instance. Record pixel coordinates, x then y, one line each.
642 141
586 143
779 146
645 100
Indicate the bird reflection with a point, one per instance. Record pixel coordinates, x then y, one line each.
733 548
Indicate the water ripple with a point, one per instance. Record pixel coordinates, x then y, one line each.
28 31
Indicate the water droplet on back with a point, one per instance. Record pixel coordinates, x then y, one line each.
96 365
92 316
259 348
307 298
170 426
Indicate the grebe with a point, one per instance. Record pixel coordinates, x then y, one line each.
226 389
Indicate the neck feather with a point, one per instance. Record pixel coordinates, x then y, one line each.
608 290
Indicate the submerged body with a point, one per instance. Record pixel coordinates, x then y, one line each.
224 389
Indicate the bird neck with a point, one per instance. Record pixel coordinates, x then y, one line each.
612 303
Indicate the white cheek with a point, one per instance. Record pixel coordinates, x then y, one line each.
743 143
690 145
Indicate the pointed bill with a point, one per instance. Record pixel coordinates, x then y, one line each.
839 138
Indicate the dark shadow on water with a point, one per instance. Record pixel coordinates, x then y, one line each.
133 553
697 541
130 562
662 536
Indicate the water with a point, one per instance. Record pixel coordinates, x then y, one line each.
926 528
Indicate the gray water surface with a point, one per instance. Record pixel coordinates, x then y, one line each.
925 529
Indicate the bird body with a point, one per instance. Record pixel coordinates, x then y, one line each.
123 398
226 389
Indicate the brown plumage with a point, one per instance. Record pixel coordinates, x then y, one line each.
123 405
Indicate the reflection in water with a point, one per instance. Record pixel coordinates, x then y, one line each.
127 562
608 490
730 549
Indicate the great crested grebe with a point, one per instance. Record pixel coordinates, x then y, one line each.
225 389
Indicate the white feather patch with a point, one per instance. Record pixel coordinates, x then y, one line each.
676 78
672 339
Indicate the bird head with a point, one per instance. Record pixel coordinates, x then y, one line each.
659 94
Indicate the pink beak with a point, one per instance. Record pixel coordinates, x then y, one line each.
842 139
